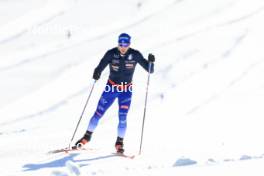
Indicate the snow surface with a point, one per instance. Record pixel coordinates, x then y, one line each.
205 109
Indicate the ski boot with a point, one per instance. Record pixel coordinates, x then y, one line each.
84 140
119 145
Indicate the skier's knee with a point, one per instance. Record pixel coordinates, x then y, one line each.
98 114
124 107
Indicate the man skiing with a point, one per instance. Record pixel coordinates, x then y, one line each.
122 61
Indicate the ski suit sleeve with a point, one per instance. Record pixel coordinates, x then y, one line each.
144 63
101 66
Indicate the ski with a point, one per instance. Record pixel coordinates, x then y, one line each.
124 155
66 150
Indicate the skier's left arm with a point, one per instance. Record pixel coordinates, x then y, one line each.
146 63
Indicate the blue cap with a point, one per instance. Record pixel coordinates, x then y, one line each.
124 39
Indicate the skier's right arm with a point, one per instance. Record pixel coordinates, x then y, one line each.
103 63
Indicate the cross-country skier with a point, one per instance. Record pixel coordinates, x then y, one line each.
122 61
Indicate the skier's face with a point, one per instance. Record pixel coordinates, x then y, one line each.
123 49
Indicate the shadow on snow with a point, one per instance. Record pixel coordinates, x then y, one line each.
61 162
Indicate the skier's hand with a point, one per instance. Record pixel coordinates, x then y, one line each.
96 75
151 58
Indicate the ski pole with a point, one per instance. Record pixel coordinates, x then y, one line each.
82 113
145 108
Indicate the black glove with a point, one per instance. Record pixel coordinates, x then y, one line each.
96 75
151 58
